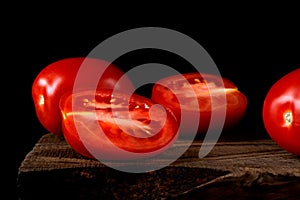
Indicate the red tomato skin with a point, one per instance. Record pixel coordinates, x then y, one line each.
282 98
141 147
58 77
234 113
73 139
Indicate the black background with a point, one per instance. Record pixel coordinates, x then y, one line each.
253 48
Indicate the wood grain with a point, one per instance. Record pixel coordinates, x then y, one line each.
232 170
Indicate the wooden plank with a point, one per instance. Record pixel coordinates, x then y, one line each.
233 169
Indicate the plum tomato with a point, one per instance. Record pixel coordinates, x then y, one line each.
99 124
207 88
58 77
281 112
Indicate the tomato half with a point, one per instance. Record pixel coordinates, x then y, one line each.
281 112
207 88
129 123
58 77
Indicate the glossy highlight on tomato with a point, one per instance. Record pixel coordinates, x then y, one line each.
130 123
58 78
281 112
207 88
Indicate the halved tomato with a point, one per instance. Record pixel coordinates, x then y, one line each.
107 125
209 91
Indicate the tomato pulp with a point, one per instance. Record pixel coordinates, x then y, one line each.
132 127
58 78
207 88
281 112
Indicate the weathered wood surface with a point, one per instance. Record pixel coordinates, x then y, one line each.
232 170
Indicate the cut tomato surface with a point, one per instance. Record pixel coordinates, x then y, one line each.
116 126
195 94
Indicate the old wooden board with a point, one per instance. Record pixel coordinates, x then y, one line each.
232 170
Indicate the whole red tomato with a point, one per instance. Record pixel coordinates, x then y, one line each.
128 123
58 77
281 112
207 88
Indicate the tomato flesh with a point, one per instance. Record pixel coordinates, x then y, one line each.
208 88
130 125
281 112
